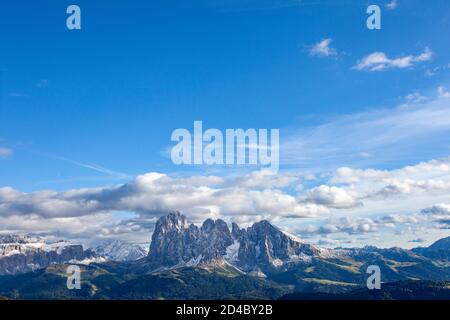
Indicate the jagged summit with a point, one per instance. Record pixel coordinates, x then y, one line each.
173 219
261 247
175 243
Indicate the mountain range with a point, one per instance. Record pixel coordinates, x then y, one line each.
213 261
21 254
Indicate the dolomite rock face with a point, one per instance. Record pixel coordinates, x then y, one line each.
261 247
265 247
175 243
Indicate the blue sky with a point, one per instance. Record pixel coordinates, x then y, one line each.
96 107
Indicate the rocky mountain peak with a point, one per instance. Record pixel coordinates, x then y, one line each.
259 247
174 220
218 225
175 243
264 227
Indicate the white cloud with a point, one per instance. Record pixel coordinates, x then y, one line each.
392 4
443 93
428 178
409 186
5 152
440 214
333 197
348 225
431 168
323 49
441 209
415 97
433 218
86 229
349 175
437 69
396 219
379 61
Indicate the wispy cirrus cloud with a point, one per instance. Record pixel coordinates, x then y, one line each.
91 166
379 61
432 71
386 134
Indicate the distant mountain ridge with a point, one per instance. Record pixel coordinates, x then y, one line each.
20 254
25 253
122 251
